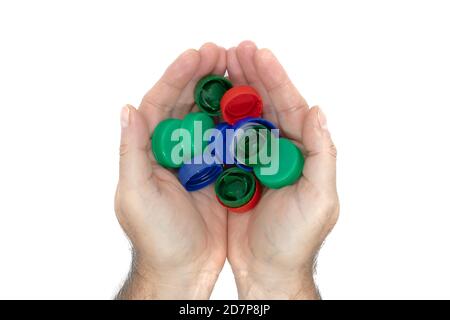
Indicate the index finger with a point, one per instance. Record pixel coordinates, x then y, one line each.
290 107
159 101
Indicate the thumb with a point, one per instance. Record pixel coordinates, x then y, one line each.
320 151
135 168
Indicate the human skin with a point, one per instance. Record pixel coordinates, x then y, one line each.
272 249
181 239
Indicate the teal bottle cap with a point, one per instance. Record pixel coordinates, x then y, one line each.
209 91
290 163
162 144
189 122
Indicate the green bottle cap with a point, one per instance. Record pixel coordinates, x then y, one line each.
189 123
235 187
209 91
161 142
290 166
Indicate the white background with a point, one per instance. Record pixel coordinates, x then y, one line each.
379 69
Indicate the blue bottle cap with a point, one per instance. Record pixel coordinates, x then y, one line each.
243 166
254 121
221 145
222 126
195 176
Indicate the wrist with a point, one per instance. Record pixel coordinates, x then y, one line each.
173 284
271 284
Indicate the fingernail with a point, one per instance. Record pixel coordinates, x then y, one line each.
125 117
249 50
266 53
248 47
322 119
247 43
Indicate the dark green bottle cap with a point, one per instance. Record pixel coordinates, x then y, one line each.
161 142
235 187
252 147
290 166
209 91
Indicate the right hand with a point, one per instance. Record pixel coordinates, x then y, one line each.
178 237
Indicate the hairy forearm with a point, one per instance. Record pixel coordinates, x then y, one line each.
177 286
270 286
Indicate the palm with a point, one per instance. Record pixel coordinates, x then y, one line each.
282 222
194 224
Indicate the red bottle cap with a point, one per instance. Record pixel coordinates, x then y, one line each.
241 102
249 205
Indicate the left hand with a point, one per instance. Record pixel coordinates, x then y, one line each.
272 248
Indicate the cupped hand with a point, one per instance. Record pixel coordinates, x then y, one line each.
272 249
178 238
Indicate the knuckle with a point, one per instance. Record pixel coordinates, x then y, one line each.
118 207
334 214
124 203
123 149
332 150
330 207
149 102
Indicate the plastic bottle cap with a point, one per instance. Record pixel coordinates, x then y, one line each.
263 140
195 176
209 91
244 167
254 121
236 188
161 143
240 102
290 166
221 145
251 147
250 204
189 123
